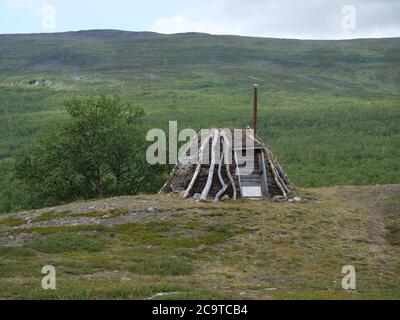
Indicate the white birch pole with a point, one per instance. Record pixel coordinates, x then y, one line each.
196 173
207 188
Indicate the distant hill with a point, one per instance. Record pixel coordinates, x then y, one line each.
112 50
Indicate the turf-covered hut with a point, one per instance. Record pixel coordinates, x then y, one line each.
228 162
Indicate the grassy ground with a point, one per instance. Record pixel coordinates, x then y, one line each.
118 249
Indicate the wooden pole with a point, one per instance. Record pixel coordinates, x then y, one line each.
207 188
255 107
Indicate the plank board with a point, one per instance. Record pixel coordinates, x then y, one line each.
252 192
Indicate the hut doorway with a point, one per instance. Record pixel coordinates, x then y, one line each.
252 173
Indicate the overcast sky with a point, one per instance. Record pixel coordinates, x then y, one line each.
302 19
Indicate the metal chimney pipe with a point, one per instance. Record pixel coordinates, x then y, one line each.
255 107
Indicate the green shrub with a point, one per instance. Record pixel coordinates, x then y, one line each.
162 265
66 243
15 252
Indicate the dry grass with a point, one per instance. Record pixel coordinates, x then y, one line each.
250 250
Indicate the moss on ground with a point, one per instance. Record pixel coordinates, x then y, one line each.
12 221
162 265
60 243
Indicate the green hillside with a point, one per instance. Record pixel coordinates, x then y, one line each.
329 109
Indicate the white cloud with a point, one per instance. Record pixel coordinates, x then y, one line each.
304 19
178 24
311 19
23 4
42 10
